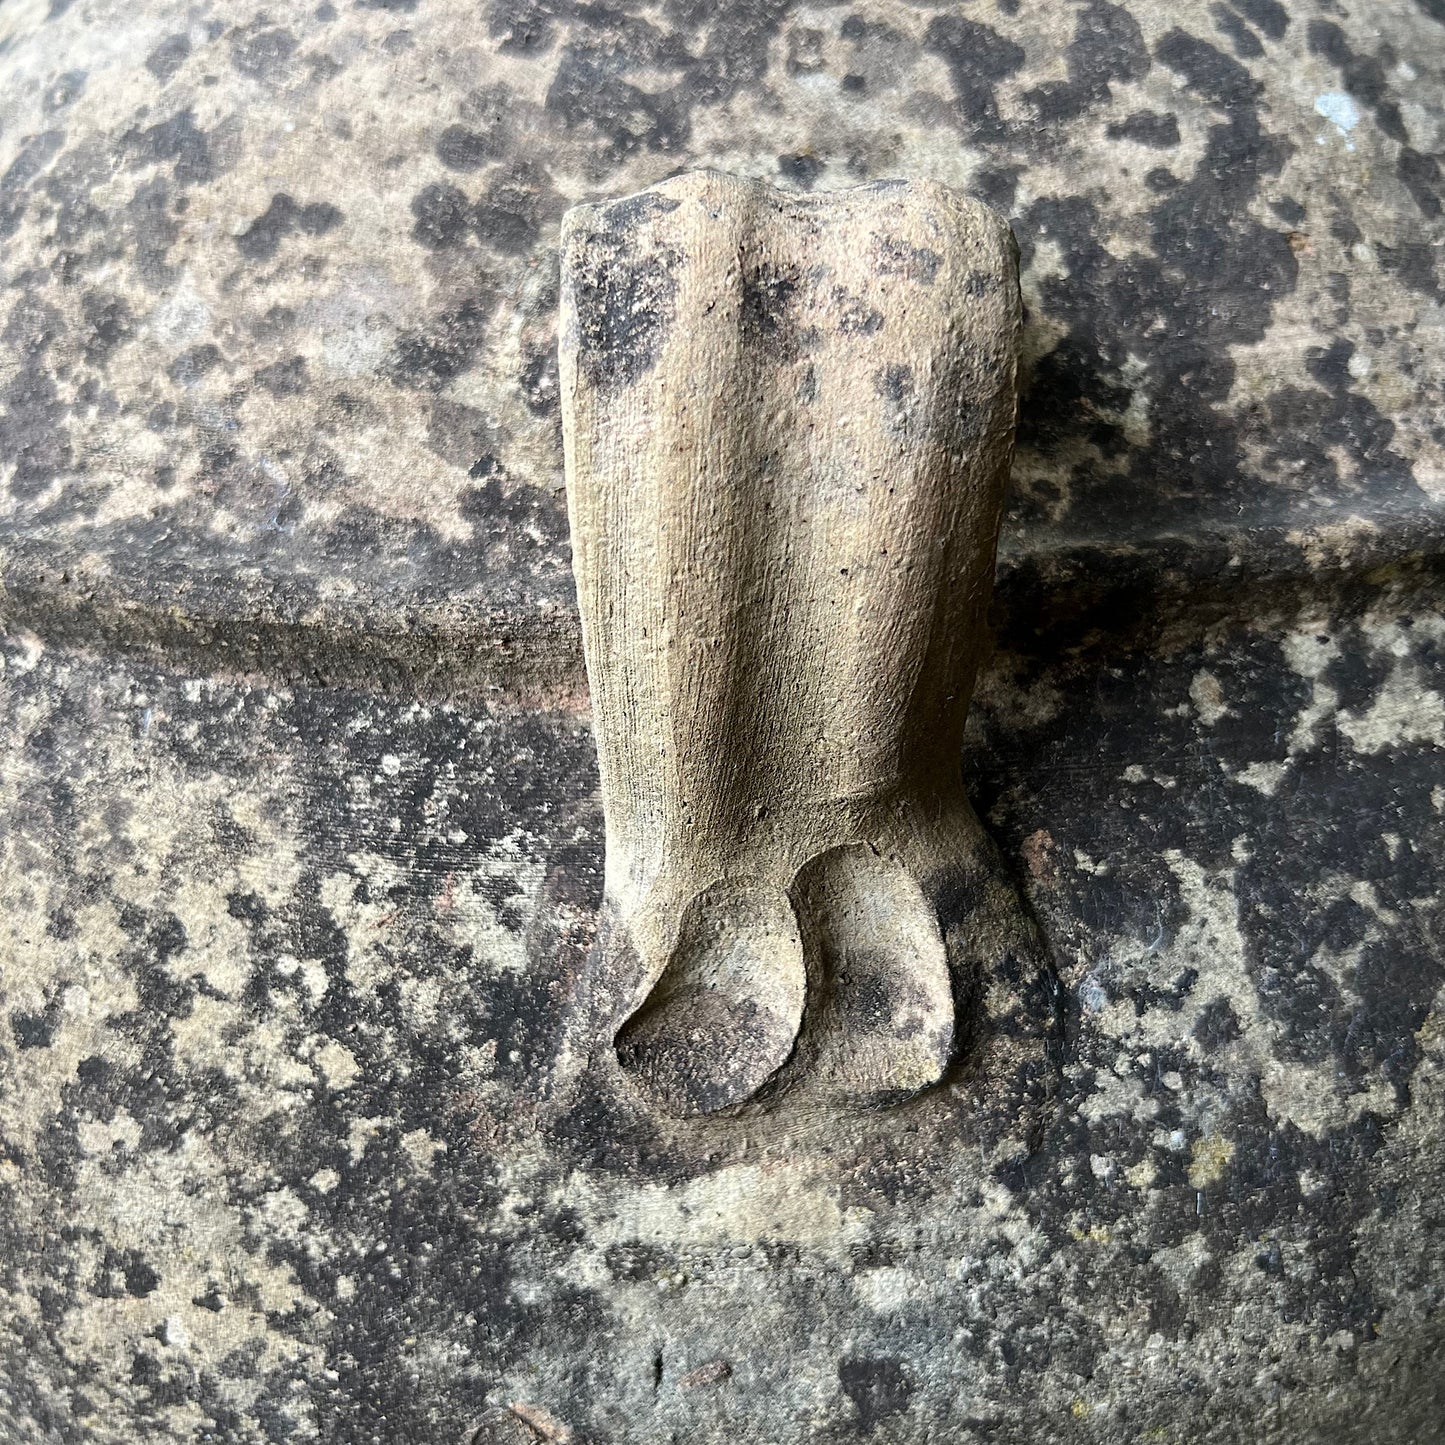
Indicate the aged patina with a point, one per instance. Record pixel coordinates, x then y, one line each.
301 842
787 423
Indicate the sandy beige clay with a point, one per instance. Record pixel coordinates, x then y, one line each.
788 424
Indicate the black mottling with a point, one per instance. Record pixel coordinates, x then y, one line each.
623 301
35 1030
32 158
856 316
1268 16
978 57
444 217
461 149
898 258
33 431
878 1388
261 54
1422 177
168 57
445 346
508 215
1415 264
191 365
283 378
589 92
1148 128
801 170
1108 46
765 311
894 382
110 324
1208 71
1244 42
179 142
1364 76
261 240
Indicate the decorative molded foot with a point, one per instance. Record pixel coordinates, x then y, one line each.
788 424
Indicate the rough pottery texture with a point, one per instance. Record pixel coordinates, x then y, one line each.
788 425
312 1127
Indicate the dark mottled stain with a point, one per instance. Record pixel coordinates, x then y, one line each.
34 1030
1218 1026
977 58
765 308
179 142
878 1388
110 323
894 382
589 90
1364 76
635 210
283 378
461 149
1107 46
261 53
1414 263
898 258
168 57
800 170
1268 16
521 27
507 216
998 186
856 316
446 346
1207 70
32 158
191 365
32 417
1206 259
1422 178
1243 41
1148 128
860 30
498 513
444 217
283 217
624 304
466 437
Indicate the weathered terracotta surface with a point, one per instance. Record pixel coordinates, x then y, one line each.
302 849
788 427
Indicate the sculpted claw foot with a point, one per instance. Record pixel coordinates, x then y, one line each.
788 421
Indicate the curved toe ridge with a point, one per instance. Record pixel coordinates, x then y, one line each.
880 1016
724 1016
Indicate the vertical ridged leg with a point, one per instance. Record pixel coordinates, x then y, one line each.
788 424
